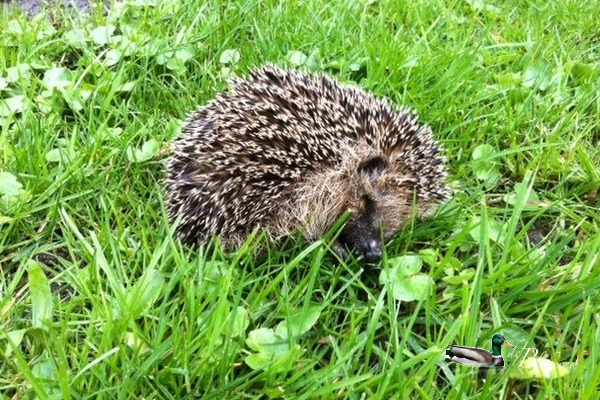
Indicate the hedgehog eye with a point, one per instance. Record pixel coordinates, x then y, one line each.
371 165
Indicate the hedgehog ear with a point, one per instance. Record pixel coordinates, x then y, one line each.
372 164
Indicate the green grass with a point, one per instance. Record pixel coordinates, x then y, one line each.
123 310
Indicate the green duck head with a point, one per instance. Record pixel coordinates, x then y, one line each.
497 342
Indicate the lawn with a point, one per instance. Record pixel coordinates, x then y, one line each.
98 300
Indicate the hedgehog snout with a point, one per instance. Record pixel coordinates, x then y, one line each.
371 250
363 237
363 245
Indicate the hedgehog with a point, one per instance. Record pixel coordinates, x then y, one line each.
286 151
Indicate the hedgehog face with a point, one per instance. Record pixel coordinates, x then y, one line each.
380 207
362 233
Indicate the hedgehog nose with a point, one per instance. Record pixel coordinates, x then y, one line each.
371 251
